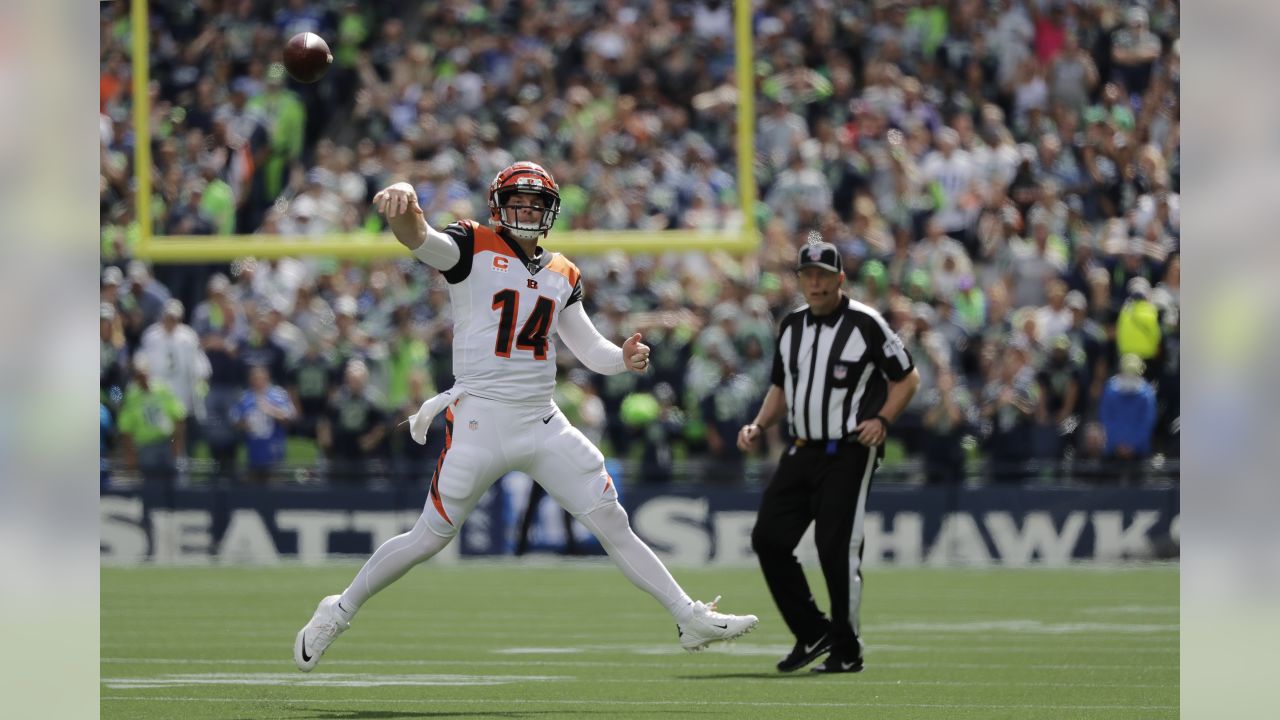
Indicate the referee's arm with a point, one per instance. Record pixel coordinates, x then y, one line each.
871 431
773 409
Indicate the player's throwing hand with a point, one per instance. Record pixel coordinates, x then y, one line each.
397 200
636 354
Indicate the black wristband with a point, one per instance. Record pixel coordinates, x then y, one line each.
883 421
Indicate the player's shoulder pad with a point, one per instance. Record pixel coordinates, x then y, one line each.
563 266
488 240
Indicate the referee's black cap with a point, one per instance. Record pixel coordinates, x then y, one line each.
820 254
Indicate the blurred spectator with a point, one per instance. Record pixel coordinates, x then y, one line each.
309 380
1060 384
353 427
1011 406
1128 416
725 409
106 438
1072 75
950 416
1090 338
1134 50
174 356
220 324
262 415
151 428
260 348
414 464
1089 463
1001 123
113 357
407 354
1138 326
143 301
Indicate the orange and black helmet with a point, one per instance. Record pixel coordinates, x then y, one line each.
524 178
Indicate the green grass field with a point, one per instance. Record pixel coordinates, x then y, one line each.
574 640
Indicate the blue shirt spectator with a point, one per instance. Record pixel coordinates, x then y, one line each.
262 414
1128 411
104 445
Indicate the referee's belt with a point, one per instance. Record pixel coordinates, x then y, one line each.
831 447
801 442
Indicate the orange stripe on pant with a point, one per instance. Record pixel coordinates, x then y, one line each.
435 479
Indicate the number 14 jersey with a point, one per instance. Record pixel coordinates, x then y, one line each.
506 306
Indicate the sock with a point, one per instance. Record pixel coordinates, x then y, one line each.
389 563
637 562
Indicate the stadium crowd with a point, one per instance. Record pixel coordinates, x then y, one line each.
1001 177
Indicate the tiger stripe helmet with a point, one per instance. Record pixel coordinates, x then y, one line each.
529 178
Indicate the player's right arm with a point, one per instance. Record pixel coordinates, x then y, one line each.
399 203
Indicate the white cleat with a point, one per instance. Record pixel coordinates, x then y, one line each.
317 635
708 626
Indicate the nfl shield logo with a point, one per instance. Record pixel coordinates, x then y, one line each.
840 372
473 424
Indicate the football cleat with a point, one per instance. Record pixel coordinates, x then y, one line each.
708 626
318 634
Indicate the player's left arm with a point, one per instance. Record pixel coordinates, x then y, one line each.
594 350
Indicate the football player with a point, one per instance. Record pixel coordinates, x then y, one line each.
509 297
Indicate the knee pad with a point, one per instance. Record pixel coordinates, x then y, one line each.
606 520
436 525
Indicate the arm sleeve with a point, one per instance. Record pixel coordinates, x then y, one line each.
587 344
887 350
441 250
778 375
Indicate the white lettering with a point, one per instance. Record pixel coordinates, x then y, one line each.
959 542
247 540
905 542
733 537
122 538
1113 541
382 525
180 536
313 528
1038 537
676 528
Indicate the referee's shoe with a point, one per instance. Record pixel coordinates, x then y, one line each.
839 662
804 653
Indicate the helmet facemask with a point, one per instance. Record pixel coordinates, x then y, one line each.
511 200
527 179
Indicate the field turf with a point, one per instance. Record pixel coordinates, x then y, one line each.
551 639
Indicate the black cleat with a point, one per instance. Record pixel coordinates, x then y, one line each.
804 653
837 663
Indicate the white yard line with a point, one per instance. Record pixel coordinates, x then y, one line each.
456 680
604 663
633 703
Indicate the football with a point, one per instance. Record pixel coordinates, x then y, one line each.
307 57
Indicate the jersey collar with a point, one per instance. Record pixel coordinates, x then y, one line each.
533 264
830 318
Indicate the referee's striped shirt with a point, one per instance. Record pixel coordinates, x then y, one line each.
834 370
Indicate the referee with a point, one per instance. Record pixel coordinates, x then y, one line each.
840 377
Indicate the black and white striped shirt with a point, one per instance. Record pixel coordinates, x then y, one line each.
834 370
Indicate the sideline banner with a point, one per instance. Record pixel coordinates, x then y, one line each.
905 525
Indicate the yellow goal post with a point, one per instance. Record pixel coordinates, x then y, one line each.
368 245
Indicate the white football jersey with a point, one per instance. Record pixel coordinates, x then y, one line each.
506 306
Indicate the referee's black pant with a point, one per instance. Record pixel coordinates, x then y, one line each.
824 483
